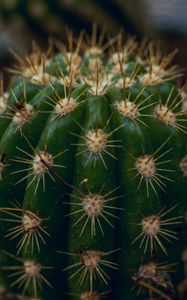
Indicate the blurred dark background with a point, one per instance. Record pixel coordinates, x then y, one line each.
22 21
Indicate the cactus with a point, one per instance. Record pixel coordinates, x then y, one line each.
93 169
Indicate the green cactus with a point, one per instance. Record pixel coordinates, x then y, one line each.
93 170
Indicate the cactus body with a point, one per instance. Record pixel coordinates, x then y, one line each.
93 175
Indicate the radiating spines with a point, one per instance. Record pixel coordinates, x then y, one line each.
95 64
40 163
26 227
20 111
159 68
33 66
92 209
70 79
91 266
123 50
66 104
170 112
97 142
151 170
95 46
113 64
23 112
71 52
119 60
154 230
127 80
98 83
132 107
27 275
73 63
80 54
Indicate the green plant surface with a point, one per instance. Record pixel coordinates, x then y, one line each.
93 169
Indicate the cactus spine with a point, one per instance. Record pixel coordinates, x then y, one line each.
93 174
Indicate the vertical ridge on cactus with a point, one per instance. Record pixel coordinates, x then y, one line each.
93 174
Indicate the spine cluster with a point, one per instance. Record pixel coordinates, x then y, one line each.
93 174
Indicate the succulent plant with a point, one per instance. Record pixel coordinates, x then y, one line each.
93 169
